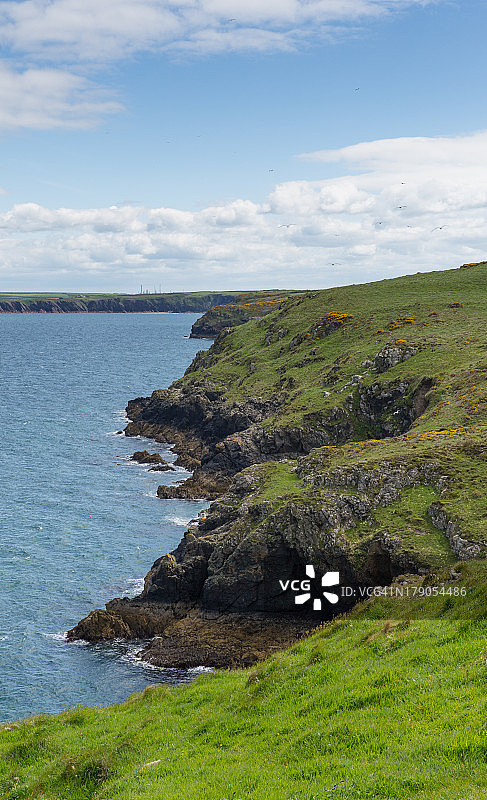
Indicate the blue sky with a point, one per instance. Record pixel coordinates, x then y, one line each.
231 144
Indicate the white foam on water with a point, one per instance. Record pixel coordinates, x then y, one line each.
200 670
133 657
134 587
57 637
183 521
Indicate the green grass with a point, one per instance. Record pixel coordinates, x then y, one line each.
360 709
276 480
451 346
284 355
408 522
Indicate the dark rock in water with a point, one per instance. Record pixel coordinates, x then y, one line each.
99 626
162 467
144 457
186 637
124 618
237 640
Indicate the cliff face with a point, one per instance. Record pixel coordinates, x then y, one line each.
115 305
242 309
218 438
236 557
325 441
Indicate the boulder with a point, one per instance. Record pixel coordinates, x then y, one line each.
144 457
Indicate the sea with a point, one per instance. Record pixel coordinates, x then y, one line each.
80 523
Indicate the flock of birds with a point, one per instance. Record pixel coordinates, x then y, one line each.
288 225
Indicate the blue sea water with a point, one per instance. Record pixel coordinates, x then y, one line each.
79 522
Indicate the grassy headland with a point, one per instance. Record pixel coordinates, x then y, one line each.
387 701
65 302
241 309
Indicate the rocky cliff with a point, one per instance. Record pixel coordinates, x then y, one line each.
243 308
329 443
113 304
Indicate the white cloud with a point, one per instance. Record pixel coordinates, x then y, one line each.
42 99
93 30
421 205
73 36
393 154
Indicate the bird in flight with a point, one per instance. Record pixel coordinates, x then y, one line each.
401 206
289 225
439 228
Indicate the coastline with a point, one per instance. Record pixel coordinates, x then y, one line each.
182 302
318 467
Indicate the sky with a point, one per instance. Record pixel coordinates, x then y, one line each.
239 144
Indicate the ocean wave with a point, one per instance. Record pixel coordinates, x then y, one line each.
57 637
134 587
121 415
183 521
133 657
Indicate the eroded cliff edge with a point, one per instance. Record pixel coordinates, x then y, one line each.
113 304
325 437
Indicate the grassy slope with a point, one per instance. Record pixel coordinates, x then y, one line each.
360 709
363 708
247 306
451 344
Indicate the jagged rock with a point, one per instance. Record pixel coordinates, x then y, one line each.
237 640
128 619
100 625
217 438
461 547
393 354
144 457
234 558
390 410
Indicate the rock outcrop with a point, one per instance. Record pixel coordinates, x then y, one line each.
217 438
460 545
243 308
240 566
144 457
